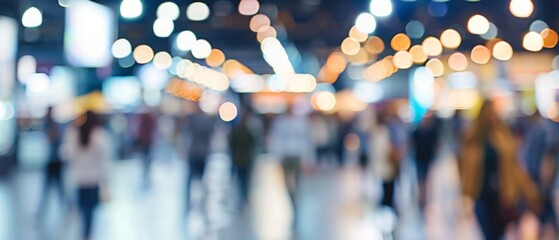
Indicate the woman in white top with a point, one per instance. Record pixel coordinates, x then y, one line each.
86 146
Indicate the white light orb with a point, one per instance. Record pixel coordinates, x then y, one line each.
366 23
130 9
32 17
198 11
201 49
121 48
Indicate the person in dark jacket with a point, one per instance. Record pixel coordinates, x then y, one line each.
242 143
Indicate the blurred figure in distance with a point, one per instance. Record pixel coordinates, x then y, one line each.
291 141
146 136
243 144
54 169
425 142
199 129
490 174
87 148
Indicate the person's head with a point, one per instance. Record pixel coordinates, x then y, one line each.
90 121
486 122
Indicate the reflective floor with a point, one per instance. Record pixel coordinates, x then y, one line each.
333 203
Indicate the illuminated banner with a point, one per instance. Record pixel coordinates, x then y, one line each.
89 34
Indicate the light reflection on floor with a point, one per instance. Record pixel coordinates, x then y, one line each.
330 202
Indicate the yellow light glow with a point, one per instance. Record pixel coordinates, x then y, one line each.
350 46
216 58
360 58
143 54
521 8
400 42
435 66
324 101
432 46
228 111
502 51
451 39
478 24
259 21
550 38
374 45
358 35
532 41
417 54
403 60
480 54
458 62
336 63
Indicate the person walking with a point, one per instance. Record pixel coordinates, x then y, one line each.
86 147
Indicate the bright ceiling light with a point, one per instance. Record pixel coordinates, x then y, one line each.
185 40
521 8
532 41
198 11
249 7
366 23
381 8
131 9
169 10
163 27
32 17
202 49
478 24
121 48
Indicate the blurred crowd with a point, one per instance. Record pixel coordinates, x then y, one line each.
506 167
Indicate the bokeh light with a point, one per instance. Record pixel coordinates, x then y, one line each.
163 27
259 21
521 8
350 46
143 54
491 33
266 32
130 9
502 51
480 54
435 66
162 60
532 41
198 11
403 60
432 46
216 58
249 7
121 48
478 24
418 55
374 45
451 39
228 111
168 10
358 35
324 101
415 29
538 26
201 49
366 23
185 40
381 8
32 17
458 62
550 38
400 42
